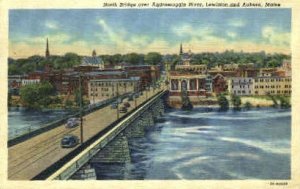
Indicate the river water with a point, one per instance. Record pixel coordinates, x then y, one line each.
216 145
21 119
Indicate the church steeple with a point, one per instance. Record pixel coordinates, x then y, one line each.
47 54
180 51
94 54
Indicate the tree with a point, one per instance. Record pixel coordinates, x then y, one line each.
248 105
236 102
133 58
153 58
284 102
68 104
116 59
223 102
37 95
9 99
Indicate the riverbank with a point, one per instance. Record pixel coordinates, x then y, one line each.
255 101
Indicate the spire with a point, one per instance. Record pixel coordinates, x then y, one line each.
180 51
94 53
47 54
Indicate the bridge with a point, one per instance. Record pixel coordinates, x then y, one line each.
41 157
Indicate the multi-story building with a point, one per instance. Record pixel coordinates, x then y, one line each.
15 83
272 86
195 85
102 89
240 86
148 74
219 84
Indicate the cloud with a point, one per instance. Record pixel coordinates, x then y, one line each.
231 34
51 25
120 38
109 40
29 46
190 31
237 23
274 36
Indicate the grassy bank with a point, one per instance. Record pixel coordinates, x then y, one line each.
254 101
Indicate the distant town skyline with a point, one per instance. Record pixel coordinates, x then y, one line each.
112 31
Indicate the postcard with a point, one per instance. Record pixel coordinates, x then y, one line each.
140 94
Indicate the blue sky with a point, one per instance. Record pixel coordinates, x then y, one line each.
111 31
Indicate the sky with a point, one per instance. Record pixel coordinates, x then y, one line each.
112 31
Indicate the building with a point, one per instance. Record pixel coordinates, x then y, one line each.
272 86
219 84
102 89
30 81
15 83
195 85
240 86
267 72
285 70
185 65
90 63
148 74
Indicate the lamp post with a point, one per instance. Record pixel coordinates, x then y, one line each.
118 116
135 93
146 92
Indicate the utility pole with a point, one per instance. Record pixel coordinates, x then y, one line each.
80 111
135 93
117 100
146 92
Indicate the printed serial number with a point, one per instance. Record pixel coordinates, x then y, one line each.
278 183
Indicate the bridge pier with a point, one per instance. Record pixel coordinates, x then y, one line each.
115 151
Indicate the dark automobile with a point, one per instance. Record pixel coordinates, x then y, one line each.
126 104
69 141
123 110
72 122
130 98
114 105
119 100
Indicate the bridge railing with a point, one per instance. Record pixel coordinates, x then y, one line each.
22 134
84 156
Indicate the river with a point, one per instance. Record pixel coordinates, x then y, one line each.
215 145
21 119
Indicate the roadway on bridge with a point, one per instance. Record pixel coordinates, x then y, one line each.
27 159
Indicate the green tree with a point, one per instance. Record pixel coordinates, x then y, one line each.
284 102
223 102
153 58
68 104
116 59
248 105
236 102
133 58
37 95
9 99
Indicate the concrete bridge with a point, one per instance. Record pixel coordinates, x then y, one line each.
105 140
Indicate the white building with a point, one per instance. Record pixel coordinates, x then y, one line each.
241 86
30 81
